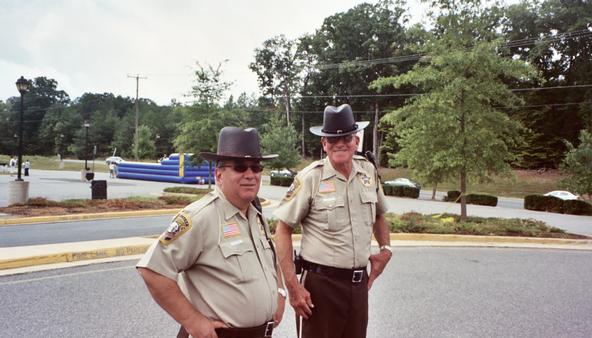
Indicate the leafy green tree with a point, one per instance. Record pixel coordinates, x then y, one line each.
202 121
555 37
279 138
42 95
209 88
146 147
349 51
577 164
278 65
457 121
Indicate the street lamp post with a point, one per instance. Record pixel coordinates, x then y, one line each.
23 87
86 125
18 190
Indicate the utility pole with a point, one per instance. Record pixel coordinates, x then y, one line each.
136 135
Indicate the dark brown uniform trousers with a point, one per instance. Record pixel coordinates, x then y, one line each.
340 307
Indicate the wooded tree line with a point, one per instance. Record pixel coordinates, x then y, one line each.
350 59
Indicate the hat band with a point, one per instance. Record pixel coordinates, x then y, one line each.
340 131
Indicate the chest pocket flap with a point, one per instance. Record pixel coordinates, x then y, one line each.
238 259
369 200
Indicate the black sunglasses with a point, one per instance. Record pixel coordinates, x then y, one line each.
241 167
345 138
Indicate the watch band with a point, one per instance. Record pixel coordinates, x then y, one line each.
282 292
386 247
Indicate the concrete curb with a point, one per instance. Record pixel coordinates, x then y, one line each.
77 217
67 257
29 256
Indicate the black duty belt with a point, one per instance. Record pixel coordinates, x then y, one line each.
263 331
355 275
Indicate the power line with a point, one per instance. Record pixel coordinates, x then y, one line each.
418 94
583 33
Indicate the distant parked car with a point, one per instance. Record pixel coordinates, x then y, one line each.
114 159
562 194
281 173
403 182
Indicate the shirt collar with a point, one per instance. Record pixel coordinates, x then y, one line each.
229 210
329 171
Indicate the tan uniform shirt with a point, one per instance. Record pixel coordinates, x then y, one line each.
224 261
336 213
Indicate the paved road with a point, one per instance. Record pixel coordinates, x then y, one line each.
424 292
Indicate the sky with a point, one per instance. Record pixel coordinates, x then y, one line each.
93 46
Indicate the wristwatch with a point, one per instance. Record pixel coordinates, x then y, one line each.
386 247
282 292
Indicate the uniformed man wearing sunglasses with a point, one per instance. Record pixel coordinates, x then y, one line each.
214 269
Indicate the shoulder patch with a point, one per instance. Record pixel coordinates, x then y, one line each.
293 190
181 223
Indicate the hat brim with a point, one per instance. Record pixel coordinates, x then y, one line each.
216 157
318 130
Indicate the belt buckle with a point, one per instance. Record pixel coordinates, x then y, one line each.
357 276
268 329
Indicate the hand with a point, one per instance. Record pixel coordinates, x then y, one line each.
279 313
204 327
300 300
377 264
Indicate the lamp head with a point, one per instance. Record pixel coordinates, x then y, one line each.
23 85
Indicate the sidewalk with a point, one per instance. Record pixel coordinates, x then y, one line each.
14 260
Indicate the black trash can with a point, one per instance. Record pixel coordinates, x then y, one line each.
99 189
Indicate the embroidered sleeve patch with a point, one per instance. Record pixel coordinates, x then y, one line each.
176 229
292 190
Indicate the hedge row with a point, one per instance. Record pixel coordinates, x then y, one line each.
554 204
400 191
478 199
282 181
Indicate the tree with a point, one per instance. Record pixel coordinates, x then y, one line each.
42 95
350 50
457 120
577 164
278 65
202 121
279 138
554 36
209 88
146 147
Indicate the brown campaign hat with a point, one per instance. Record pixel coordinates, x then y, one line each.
338 121
238 144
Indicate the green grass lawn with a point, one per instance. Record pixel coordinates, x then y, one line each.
52 163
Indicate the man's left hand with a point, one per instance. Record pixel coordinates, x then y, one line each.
377 264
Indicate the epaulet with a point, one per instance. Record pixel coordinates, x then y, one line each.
315 164
202 202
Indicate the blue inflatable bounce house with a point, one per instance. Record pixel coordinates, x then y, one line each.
175 168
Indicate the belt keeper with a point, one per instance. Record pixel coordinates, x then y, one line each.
269 329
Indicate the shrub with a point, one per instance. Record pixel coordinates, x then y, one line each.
577 207
452 196
281 181
175 200
535 202
481 199
185 190
400 191
41 202
554 204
